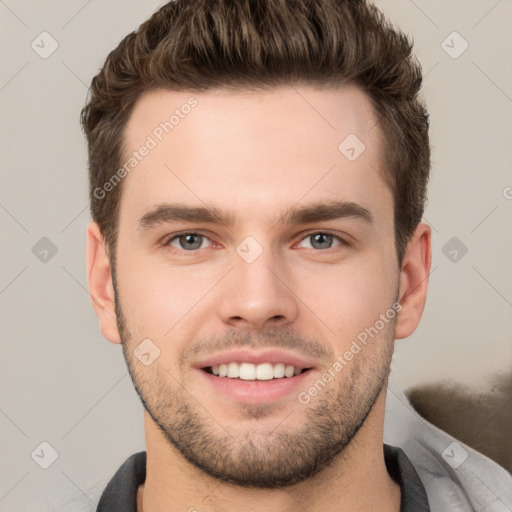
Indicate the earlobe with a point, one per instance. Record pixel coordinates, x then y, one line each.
414 277
101 289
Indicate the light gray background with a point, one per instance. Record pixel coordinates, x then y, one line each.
63 384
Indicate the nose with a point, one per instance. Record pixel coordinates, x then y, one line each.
259 294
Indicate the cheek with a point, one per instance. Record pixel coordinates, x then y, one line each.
345 299
158 298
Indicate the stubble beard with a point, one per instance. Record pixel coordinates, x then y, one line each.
271 459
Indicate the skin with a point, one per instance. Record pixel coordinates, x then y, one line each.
258 155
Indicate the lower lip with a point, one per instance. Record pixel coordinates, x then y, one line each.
257 391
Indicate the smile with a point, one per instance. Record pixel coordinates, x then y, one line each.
250 371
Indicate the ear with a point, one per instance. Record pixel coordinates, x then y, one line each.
100 283
414 281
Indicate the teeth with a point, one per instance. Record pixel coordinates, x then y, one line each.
264 371
249 371
278 370
289 371
233 371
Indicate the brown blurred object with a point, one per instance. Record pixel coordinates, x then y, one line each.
482 421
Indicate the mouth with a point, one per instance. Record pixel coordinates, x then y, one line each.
260 383
255 377
255 372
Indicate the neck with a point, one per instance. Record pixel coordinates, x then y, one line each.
357 480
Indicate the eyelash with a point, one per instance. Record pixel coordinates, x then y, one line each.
168 240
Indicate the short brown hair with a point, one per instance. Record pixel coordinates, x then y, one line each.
197 45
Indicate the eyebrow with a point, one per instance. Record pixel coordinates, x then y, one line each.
167 212
322 211
328 210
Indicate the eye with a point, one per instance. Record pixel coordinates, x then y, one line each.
187 241
323 240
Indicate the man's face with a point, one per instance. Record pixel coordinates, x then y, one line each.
270 287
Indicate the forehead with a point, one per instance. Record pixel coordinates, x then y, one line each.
254 152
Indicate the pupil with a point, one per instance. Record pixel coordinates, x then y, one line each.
188 241
323 239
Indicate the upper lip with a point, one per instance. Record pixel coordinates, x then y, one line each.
250 356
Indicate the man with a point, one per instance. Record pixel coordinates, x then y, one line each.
258 174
